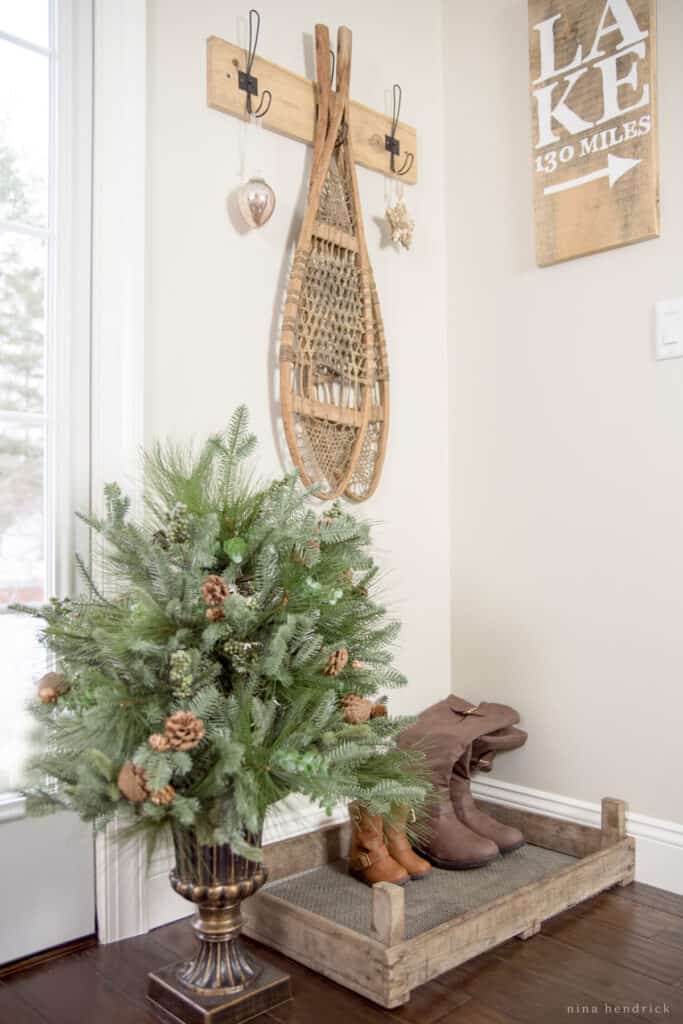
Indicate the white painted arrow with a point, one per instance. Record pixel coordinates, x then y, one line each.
617 167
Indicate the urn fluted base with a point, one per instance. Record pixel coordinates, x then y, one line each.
172 1001
223 983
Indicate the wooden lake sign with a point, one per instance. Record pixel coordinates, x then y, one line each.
594 124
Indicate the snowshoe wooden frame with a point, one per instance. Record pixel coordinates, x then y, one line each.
387 967
334 404
334 373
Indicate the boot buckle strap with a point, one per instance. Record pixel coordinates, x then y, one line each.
367 859
361 860
474 710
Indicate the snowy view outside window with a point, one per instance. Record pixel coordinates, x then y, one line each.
25 240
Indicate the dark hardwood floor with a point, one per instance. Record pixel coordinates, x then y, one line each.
617 957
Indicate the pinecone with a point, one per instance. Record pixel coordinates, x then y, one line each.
160 539
163 797
215 614
184 730
215 590
132 782
378 711
159 742
356 709
51 686
337 662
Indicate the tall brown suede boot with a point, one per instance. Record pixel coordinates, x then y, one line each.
457 737
505 837
480 757
398 845
485 748
452 845
445 733
369 859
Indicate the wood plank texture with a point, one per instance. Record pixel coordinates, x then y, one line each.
550 833
311 850
347 957
388 973
292 111
593 92
439 950
389 913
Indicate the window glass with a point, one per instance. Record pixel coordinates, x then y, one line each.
22 322
22 524
26 19
24 134
23 660
25 174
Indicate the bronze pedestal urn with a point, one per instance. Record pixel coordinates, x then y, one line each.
223 984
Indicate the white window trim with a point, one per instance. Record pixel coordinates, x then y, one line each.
117 375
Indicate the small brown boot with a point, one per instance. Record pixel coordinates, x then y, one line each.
505 837
369 859
398 845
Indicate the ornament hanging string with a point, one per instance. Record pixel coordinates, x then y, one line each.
399 221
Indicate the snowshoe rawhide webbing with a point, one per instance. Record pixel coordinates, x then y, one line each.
329 391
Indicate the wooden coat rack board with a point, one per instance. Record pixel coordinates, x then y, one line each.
292 110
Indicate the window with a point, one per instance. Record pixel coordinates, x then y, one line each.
40 229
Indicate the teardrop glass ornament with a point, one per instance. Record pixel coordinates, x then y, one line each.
256 202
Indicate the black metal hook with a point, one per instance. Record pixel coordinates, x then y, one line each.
246 81
391 143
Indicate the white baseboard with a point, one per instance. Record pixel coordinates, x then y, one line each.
295 816
659 844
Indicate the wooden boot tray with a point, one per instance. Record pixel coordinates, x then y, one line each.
386 940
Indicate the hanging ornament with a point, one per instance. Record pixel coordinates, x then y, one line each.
255 198
401 224
256 201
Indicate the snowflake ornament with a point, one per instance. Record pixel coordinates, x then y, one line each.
401 224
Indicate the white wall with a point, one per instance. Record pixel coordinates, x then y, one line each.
566 465
214 295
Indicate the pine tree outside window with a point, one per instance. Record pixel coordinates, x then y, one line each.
35 171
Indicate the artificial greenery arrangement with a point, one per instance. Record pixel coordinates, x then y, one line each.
229 658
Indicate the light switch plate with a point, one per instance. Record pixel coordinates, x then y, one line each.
669 329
